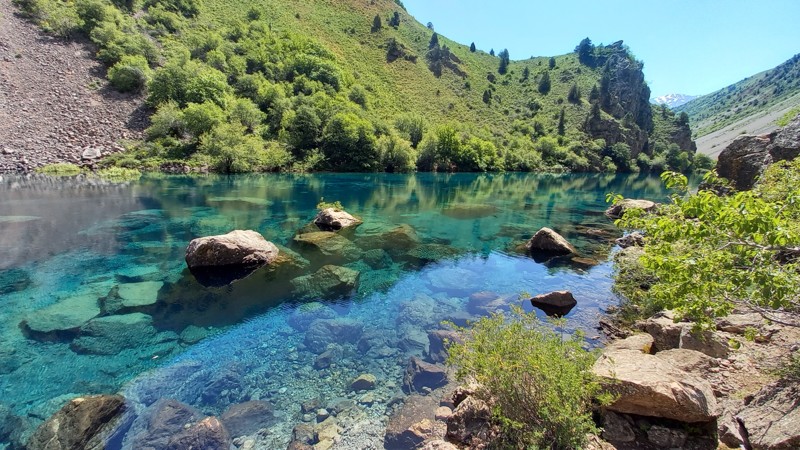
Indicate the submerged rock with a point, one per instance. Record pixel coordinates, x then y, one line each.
439 341
548 241
395 241
83 423
649 386
363 382
556 303
237 248
332 219
154 427
306 313
469 211
62 319
328 282
209 434
328 243
329 331
243 419
421 375
111 334
617 210
131 296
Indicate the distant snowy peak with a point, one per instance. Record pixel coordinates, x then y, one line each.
674 100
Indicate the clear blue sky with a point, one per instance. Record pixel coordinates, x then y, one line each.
688 46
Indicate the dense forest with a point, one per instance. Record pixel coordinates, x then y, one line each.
262 85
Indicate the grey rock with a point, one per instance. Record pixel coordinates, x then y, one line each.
617 428
328 282
635 239
439 341
91 153
154 427
772 417
618 210
363 382
306 313
666 437
687 360
111 334
548 241
208 434
327 331
705 342
470 423
239 247
556 303
665 331
332 219
642 342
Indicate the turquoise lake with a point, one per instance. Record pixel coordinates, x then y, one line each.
95 296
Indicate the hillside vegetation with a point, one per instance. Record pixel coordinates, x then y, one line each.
750 97
362 86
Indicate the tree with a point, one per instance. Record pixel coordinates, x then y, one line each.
594 95
561 124
472 47
683 119
430 25
585 51
491 52
526 73
434 42
504 60
552 63
544 83
487 96
376 23
413 126
574 95
349 143
394 21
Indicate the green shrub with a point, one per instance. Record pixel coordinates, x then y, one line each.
200 118
539 383
396 154
167 121
709 254
358 95
230 150
412 126
95 12
245 112
60 169
130 74
349 143
337 205
119 174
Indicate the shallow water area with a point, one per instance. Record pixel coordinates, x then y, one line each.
96 297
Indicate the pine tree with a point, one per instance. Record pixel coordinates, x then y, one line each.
552 63
594 95
430 25
574 95
491 52
504 60
526 73
472 47
395 20
561 124
544 83
585 51
377 24
434 41
487 96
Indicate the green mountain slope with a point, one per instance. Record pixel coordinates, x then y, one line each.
774 89
354 85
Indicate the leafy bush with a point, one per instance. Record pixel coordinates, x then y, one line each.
119 174
168 120
396 154
349 143
358 95
539 384
60 169
202 117
337 205
708 254
412 126
230 150
130 74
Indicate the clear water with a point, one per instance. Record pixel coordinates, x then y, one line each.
69 246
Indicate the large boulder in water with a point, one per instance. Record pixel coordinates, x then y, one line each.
548 241
556 303
334 219
62 319
237 248
154 427
208 434
83 423
649 386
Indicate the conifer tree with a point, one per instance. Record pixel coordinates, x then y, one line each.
561 124
552 63
491 52
504 60
395 20
472 47
574 95
544 83
434 41
377 24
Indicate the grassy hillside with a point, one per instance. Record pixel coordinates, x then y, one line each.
355 85
751 97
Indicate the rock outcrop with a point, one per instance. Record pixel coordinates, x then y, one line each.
420 376
745 159
84 422
649 386
237 248
772 417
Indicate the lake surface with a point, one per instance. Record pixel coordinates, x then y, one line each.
95 296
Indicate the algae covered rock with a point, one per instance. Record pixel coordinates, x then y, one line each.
329 281
62 318
617 210
111 334
83 423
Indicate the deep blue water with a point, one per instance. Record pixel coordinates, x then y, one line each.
95 296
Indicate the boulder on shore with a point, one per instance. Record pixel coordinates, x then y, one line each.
650 386
548 241
237 248
84 422
617 210
333 219
772 417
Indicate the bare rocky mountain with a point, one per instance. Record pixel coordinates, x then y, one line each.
55 102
